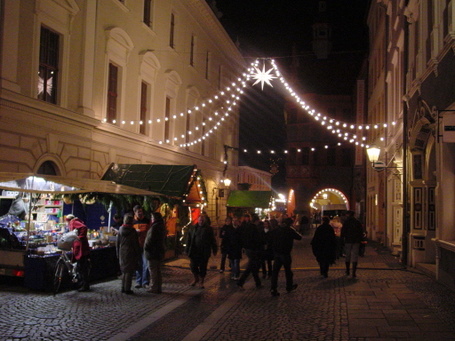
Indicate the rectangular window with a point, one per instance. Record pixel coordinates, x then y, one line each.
207 64
203 140
172 31
112 93
167 113
188 128
306 156
48 66
347 157
445 19
143 114
220 76
430 29
192 51
148 12
331 157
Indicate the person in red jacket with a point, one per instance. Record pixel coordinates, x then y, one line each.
81 251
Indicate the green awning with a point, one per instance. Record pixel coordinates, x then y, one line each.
249 199
174 181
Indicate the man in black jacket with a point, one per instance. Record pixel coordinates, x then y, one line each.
252 243
351 234
282 242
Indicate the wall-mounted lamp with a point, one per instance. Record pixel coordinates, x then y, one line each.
373 155
226 182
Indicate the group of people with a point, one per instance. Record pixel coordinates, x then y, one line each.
333 238
267 245
263 242
141 248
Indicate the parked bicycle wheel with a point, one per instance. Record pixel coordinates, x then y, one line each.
59 273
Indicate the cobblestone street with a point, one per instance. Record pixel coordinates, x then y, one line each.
385 302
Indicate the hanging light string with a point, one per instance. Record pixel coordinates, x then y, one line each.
228 98
227 94
224 114
319 116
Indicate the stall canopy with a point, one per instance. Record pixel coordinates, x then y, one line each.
37 183
176 181
260 199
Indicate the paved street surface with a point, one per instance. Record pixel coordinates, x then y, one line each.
385 302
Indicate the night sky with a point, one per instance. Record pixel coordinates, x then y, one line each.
274 29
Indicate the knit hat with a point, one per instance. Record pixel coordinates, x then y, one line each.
69 217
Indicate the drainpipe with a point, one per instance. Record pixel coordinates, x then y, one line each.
405 228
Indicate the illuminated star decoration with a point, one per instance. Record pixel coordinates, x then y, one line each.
263 77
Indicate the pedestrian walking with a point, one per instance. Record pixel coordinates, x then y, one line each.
154 249
233 242
337 225
224 247
282 242
81 251
141 224
324 245
128 252
200 244
304 225
267 253
351 235
252 244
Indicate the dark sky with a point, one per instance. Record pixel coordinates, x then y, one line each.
274 29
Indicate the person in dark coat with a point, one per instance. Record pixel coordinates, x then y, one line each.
128 252
142 225
253 244
154 249
224 247
282 241
233 242
324 245
81 251
351 234
267 253
200 244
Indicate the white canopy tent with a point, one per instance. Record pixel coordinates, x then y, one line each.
50 184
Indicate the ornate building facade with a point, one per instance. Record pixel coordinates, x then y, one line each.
85 84
412 64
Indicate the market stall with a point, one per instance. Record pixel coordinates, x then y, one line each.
183 188
29 250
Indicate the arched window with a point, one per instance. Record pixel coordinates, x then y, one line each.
47 168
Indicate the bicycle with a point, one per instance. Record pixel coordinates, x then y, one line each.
64 269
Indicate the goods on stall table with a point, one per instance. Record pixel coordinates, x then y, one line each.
48 209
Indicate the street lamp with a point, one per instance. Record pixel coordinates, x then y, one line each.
227 182
373 155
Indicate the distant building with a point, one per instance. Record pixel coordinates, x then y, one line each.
319 165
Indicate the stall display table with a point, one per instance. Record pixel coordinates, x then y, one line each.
39 269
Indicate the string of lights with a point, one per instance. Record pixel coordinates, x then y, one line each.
221 104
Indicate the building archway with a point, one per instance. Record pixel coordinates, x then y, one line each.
328 201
